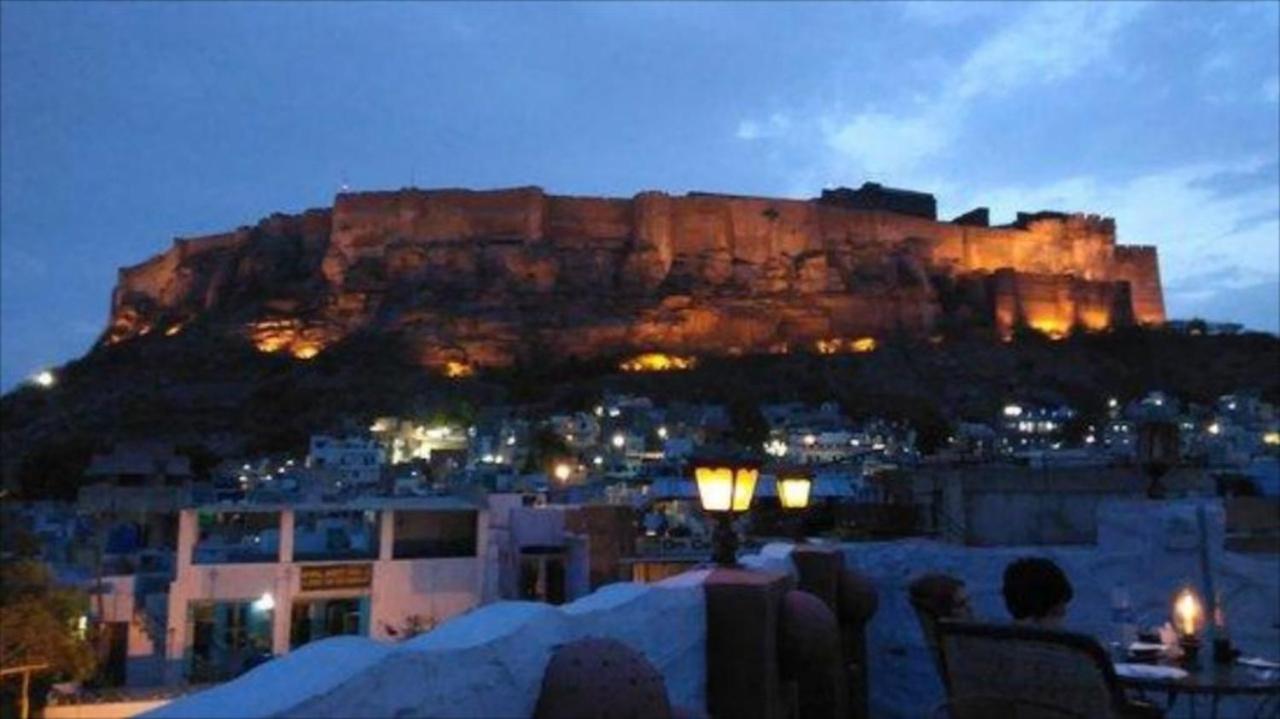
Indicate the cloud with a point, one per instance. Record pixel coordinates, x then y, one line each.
776 126
1045 43
948 12
1048 43
886 144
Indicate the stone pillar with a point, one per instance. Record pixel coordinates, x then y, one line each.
811 656
386 534
286 536
819 569
188 533
743 619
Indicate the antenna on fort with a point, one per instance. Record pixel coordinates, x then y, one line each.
413 171
344 187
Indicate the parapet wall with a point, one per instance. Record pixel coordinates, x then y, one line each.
488 663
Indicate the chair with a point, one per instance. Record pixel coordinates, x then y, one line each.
929 620
1034 666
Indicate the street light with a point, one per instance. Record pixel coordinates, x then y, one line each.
44 379
725 488
795 485
265 603
563 471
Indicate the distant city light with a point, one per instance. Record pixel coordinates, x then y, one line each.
597 460
810 440
619 440
44 378
511 441
599 411
1113 403
662 432
775 447
1012 410
1271 438
562 471
1215 428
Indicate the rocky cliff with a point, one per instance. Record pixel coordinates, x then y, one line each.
487 278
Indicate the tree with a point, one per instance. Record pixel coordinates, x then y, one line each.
39 621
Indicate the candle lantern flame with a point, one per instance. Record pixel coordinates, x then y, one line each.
1188 613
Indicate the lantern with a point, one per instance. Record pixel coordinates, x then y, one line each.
1188 613
1188 620
725 488
794 487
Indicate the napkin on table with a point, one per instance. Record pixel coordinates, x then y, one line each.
1149 671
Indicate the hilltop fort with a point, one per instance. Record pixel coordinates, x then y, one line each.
488 278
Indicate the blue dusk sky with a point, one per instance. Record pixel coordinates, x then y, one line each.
127 124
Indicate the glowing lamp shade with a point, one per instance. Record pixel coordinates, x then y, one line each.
1188 613
725 488
793 491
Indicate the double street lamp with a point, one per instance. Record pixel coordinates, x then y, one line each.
726 485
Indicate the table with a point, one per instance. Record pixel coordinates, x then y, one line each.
1215 681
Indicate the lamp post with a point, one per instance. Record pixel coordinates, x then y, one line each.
795 485
725 488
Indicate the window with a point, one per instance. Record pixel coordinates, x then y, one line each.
237 537
423 534
335 535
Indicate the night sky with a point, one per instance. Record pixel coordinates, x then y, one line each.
124 125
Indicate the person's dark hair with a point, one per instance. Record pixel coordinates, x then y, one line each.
1033 586
936 594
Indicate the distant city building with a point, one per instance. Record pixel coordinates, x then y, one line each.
357 460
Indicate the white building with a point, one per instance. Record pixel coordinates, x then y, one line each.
359 460
257 581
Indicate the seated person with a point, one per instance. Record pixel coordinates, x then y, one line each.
936 597
1036 592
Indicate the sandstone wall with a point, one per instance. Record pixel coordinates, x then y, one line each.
480 276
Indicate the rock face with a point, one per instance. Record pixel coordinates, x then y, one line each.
486 278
